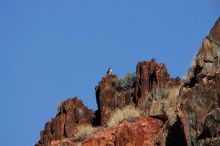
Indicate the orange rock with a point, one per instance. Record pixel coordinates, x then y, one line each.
140 132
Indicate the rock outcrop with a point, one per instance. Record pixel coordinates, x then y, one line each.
199 96
144 131
72 112
175 113
109 98
151 77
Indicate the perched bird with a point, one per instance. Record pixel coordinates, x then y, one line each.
109 71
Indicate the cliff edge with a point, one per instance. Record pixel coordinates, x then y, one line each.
147 108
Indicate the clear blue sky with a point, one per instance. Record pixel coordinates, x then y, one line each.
52 49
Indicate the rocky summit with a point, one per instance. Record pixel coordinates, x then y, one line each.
147 108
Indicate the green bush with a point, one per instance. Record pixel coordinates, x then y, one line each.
126 82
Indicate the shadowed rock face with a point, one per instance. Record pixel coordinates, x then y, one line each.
212 122
72 112
200 93
151 76
109 98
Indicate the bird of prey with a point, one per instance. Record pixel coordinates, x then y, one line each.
109 71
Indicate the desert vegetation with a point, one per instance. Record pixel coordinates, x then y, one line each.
84 131
168 93
125 82
165 103
128 112
65 143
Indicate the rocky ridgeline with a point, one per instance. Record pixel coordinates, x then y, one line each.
72 113
200 94
176 113
149 76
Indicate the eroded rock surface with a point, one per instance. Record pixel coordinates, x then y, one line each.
109 98
151 77
200 93
143 131
209 142
190 117
72 112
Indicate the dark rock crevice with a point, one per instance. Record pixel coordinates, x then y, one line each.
205 134
176 136
209 61
152 80
197 72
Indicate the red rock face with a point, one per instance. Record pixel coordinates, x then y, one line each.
143 131
72 113
151 76
109 98
195 121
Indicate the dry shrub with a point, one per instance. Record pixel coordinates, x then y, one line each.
65 143
166 105
128 112
84 131
125 82
172 92
166 93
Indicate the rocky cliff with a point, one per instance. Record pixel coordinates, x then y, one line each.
71 113
167 111
199 96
